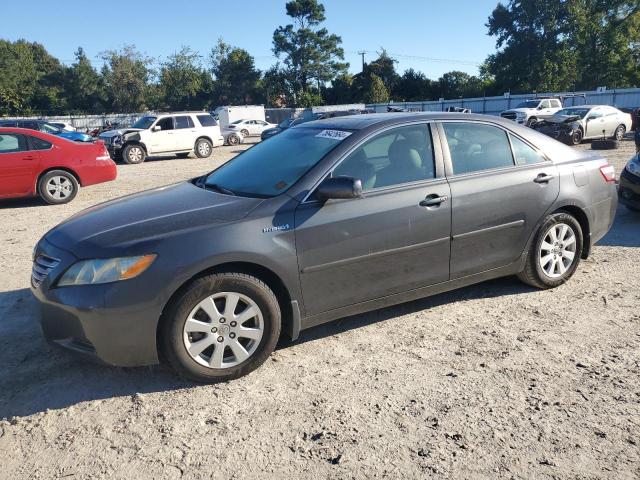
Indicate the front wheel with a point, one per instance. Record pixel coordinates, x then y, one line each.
222 327
576 137
57 187
133 154
203 148
555 253
244 132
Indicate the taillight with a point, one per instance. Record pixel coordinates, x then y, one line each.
608 173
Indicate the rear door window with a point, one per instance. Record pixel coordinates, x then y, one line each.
12 143
39 144
476 146
183 121
523 153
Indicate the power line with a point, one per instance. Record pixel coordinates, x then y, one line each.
421 58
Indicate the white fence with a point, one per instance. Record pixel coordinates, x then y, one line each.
629 97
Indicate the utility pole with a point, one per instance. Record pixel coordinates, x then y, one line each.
362 52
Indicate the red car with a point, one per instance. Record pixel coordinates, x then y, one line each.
36 163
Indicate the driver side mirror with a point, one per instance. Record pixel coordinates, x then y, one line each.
339 188
540 107
156 128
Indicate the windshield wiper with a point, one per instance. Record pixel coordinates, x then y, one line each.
217 188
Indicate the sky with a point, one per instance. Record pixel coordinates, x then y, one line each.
432 36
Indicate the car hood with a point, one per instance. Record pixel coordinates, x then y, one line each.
120 131
563 119
119 226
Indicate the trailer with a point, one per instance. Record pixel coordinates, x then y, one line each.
229 114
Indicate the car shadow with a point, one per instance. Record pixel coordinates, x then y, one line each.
625 231
36 376
492 288
27 202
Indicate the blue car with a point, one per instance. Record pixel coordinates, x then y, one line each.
46 127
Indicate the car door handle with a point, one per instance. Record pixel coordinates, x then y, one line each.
543 178
29 157
433 200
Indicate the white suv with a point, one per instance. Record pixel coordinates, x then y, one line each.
167 133
531 111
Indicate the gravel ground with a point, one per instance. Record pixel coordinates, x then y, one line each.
492 381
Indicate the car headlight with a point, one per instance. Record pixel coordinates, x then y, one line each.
91 272
634 165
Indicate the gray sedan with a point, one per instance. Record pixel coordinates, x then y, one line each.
327 219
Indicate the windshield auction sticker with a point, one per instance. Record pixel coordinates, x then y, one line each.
333 134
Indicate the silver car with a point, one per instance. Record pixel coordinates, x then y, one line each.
587 122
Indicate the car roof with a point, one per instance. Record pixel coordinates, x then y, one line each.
360 122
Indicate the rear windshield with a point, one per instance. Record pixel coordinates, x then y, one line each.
271 167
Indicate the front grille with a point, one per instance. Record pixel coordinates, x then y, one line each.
508 115
42 265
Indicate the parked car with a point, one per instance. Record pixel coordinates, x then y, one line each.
232 137
629 188
39 164
282 126
227 115
250 127
327 219
64 126
165 133
531 111
574 124
46 127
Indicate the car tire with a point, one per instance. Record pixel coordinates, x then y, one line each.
182 155
531 122
133 154
619 133
219 358
576 137
233 139
545 265
604 144
57 187
203 148
244 132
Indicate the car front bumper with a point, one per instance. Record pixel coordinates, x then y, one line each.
114 323
629 189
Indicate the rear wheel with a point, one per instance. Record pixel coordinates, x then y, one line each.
619 133
244 132
203 148
133 154
222 327
57 187
555 253
233 139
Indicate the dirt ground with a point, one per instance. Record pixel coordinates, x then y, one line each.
497 380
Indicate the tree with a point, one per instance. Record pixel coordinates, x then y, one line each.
127 74
384 67
376 92
181 79
413 86
458 84
236 77
340 90
277 87
310 54
84 87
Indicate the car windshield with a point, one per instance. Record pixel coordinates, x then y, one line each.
566 112
50 128
144 122
270 168
529 104
285 123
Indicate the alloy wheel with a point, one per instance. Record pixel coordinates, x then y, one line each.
223 330
59 187
557 250
204 149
